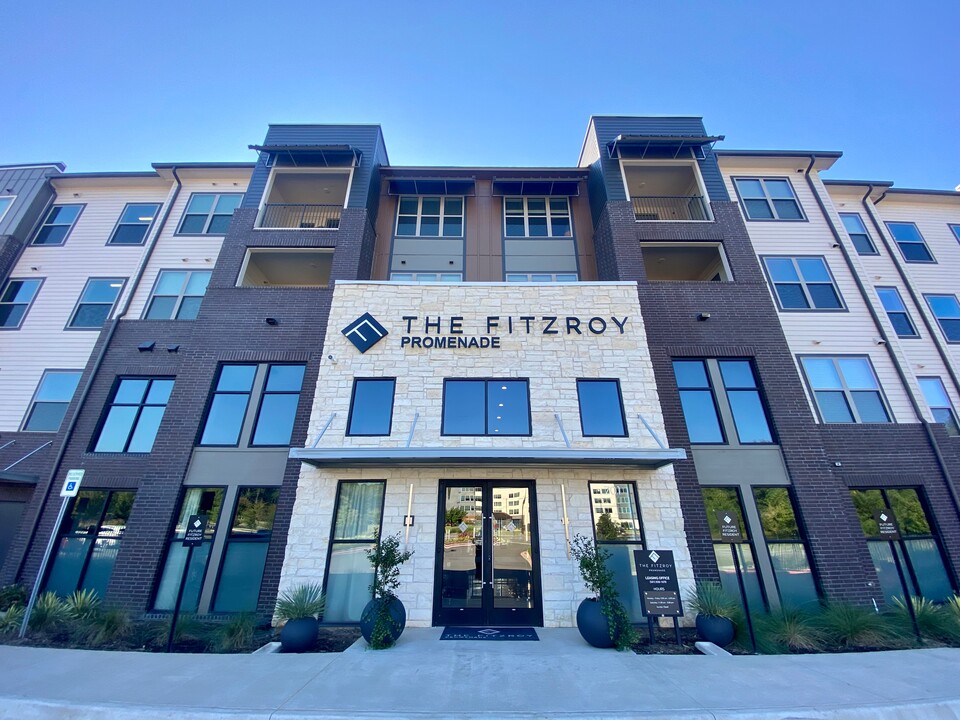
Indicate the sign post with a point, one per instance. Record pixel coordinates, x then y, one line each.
193 537
659 589
71 486
890 531
731 534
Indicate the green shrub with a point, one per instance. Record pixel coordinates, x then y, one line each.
953 605
849 625
49 612
108 627
188 628
83 604
386 559
303 601
709 598
787 630
599 579
11 595
936 622
236 634
11 620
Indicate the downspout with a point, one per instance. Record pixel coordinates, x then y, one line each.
883 334
111 331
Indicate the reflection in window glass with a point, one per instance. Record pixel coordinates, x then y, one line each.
616 524
357 527
245 556
601 410
134 415
788 551
743 394
727 499
229 405
696 398
371 409
486 407
52 398
278 408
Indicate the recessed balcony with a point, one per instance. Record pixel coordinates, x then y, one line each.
304 201
665 193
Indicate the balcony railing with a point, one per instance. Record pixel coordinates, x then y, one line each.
285 215
665 208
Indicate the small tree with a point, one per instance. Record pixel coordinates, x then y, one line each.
455 516
599 579
607 529
386 558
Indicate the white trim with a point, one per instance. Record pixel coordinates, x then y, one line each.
4 211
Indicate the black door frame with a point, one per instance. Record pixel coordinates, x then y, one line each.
487 614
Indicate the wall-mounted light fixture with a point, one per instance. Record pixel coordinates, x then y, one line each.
272 322
703 316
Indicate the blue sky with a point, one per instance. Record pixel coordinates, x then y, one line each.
104 86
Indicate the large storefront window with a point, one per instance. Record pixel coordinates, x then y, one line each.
245 555
731 555
196 501
616 524
921 559
358 518
89 542
785 543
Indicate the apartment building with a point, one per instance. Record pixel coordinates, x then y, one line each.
650 347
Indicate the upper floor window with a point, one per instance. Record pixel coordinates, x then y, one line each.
746 406
57 224
803 283
698 401
910 242
947 311
601 408
425 277
135 221
209 213
422 216
177 295
15 300
897 312
858 233
536 217
278 405
768 199
371 406
51 400
846 389
95 303
486 407
939 402
133 415
5 202
954 228
542 277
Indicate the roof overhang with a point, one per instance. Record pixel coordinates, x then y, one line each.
12 478
314 155
822 159
640 146
553 186
916 195
432 186
340 457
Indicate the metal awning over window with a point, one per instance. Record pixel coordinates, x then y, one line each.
311 155
661 146
568 187
433 186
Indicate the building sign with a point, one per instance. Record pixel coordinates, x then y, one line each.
729 527
71 485
196 529
451 333
887 522
365 332
657 579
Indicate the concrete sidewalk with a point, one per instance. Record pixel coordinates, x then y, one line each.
422 677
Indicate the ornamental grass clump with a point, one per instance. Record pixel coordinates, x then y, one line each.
856 626
787 630
49 612
83 605
11 619
936 622
303 601
236 634
599 579
710 599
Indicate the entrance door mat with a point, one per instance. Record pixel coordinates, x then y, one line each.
489 633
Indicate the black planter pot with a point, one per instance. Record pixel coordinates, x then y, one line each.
396 620
718 630
593 624
299 635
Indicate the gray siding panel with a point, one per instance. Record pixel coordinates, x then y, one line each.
32 191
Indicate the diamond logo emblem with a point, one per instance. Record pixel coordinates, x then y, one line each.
488 631
727 519
510 526
883 516
462 527
197 523
654 555
365 332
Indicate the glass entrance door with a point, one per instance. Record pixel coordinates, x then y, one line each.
488 568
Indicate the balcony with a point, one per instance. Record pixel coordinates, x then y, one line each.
662 208
665 192
293 215
304 200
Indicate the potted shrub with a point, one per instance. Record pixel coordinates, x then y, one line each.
299 609
602 620
384 617
715 613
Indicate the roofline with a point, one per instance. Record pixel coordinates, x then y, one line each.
85 175
780 153
921 191
219 165
645 115
376 125
58 165
481 168
859 183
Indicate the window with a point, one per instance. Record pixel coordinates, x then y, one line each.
135 221
939 402
57 224
15 300
542 277
95 303
858 233
897 312
788 549
601 408
209 213
358 518
278 406
910 241
371 406
734 558
5 202
954 228
51 399
618 530
134 414
177 295
743 395
228 407
89 542
698 402
420 216
426 277
536 217
803 283
768 199
245 555
205 501
846 389
486 407
947 311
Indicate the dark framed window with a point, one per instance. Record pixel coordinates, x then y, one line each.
954 228
536 217
15 301
96 301
727 499
910 241
134 223
787 547
946 309
768 199
939 403
358 517
57 224
601 408
921 556
371 406
897 312
51 400
89 541
486 407
425 277
698 402
846 389
209 213
177 295
133 415
858 234
228 406
803 283
618 528
278 405
206 501
746 404
542 277
245 554
423 216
